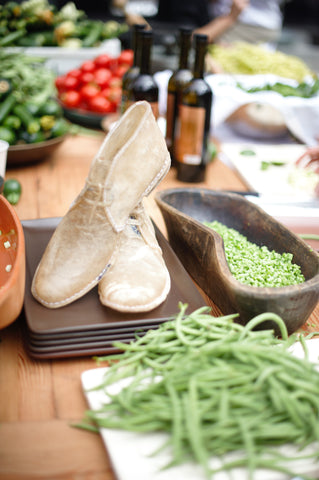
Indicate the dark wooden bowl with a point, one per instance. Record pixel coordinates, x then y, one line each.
201 250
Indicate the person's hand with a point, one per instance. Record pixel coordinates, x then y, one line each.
310 160
237 7
221 24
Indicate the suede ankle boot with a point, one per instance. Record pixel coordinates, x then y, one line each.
137 279
131 161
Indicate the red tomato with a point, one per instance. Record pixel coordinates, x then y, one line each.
102 61
87 77
102 77
59 83
115 95
76 73
115 82
105 92
126 56
121 69
71 83
89 91
101 104
71 98
113 64
88 66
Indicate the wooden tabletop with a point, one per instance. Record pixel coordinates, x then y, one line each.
40 399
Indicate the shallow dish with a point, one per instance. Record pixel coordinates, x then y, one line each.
259 121
201 251
32 152
12 264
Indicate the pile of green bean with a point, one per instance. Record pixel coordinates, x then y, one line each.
256 266
216 387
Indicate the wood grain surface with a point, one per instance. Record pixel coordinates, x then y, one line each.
40 399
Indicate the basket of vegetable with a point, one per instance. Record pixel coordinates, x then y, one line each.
94 89
31 119
38 23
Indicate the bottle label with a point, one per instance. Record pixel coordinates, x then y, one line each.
170 119
189 135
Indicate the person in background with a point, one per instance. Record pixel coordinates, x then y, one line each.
253 21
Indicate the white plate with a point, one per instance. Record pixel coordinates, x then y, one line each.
130 452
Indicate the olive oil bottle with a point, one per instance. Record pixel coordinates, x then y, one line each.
176 83
144 86
193 125
132 73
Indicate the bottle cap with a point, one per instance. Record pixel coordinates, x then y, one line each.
200 37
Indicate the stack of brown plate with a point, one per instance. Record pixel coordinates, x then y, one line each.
86 327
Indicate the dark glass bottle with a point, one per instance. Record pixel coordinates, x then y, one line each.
192 132
144 86
132 73
176 83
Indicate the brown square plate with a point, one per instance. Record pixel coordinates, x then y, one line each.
87 318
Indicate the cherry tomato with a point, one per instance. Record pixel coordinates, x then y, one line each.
76 73
121 69
87 77
115 95
71 98
102 77
101 104
113 64
115 82
88 66
71 83
102 61
126 56
59 83
105 92
89 91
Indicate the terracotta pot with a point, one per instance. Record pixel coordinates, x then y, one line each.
12 264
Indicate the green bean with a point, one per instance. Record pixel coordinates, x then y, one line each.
215 387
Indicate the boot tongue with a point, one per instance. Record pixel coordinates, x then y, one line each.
99 172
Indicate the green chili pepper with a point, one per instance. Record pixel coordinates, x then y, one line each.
12 190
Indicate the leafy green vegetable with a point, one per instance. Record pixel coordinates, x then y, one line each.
303 89
248 152
38 23
215 387
31 80
266 164
256 266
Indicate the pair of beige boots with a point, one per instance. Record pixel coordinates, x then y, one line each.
106 237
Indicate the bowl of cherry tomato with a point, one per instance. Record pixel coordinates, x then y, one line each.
94 89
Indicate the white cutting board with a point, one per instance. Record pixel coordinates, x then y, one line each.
130 452
274 181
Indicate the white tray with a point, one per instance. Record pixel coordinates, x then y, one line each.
61 60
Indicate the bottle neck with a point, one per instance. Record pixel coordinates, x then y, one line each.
136 41
185 40
145 53
200 52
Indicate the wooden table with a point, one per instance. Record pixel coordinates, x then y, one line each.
39 399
